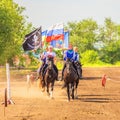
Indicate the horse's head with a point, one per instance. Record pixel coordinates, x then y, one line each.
50 68
50 63
77 64
69 65
50 57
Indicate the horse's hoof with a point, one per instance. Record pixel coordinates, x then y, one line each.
72 99
76 97
43 90
48 94
68 100
51 98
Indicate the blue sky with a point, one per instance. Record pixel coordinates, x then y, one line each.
48 12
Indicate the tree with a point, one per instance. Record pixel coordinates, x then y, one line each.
109 35
82 34
103 41
13 27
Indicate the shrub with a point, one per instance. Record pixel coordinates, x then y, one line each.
90 56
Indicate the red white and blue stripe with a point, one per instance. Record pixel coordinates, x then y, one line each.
55 32
61 43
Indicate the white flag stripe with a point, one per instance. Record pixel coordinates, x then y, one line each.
56 26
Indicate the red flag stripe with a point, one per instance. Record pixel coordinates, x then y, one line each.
54 37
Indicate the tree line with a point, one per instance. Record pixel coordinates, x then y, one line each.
97 43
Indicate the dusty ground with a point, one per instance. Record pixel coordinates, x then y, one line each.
93 103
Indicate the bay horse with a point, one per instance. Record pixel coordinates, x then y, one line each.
49 77
71 78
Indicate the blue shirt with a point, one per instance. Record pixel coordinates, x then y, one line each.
69 54
76 58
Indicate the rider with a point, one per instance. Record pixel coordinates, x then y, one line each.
43 59
52 54
76 58
69 54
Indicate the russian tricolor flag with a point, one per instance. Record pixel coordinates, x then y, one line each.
61 43
55 32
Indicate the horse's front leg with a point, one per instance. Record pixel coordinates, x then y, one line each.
76 85
51 92
48 89
68 92
72 86
42 83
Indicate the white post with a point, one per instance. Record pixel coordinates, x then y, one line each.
8 81
8 85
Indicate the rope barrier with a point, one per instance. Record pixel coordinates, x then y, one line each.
117 81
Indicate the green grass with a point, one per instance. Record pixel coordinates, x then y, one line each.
60 64
100 65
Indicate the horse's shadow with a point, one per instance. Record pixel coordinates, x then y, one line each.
97 98
90 78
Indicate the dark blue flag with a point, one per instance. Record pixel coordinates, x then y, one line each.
33 40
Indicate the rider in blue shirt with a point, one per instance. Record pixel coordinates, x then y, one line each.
69 54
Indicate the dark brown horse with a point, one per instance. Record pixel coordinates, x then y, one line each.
49 78
71 79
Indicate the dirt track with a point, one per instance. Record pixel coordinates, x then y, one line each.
93 103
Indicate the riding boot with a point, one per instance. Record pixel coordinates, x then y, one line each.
81 69
78 74
64 85
56 70
63 72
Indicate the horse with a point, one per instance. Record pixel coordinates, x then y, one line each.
49 77
71 78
